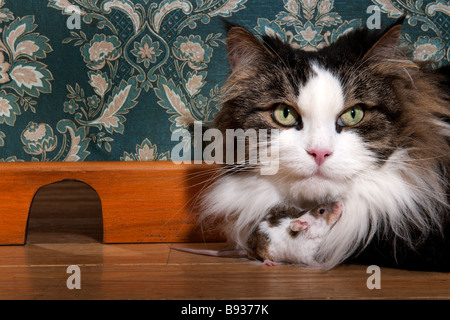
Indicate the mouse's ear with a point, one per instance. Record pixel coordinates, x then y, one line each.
337 207
244 48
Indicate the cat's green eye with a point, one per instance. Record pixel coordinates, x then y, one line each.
285 115
352 116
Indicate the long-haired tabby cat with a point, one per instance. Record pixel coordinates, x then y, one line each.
359 123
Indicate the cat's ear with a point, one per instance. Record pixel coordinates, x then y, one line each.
386 45
244 49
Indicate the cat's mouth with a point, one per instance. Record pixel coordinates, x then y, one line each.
320 174
311 176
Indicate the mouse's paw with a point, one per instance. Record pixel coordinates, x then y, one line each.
270 263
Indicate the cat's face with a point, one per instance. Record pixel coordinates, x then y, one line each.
336 117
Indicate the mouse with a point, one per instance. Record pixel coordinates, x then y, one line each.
285 235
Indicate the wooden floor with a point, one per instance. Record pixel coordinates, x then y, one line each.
64 230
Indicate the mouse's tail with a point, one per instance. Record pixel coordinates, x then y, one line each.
233 253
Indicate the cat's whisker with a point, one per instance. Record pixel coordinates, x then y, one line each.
193 202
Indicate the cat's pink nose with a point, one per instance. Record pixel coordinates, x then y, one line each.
319 155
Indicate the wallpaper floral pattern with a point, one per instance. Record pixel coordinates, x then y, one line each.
134 72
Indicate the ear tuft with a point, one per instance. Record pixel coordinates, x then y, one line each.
244 49
227 24
386 45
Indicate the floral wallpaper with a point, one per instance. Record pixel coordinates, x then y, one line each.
111 80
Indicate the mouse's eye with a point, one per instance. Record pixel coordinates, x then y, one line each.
321 211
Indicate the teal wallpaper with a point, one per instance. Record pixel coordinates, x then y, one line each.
111 80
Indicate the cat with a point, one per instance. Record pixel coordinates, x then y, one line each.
358 123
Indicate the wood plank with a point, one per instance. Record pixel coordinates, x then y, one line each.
216 281
141 201
154 271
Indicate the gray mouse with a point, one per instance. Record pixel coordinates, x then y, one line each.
286 235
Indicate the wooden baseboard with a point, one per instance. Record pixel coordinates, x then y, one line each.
141 201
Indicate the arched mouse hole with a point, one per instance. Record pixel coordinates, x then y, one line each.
66 211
